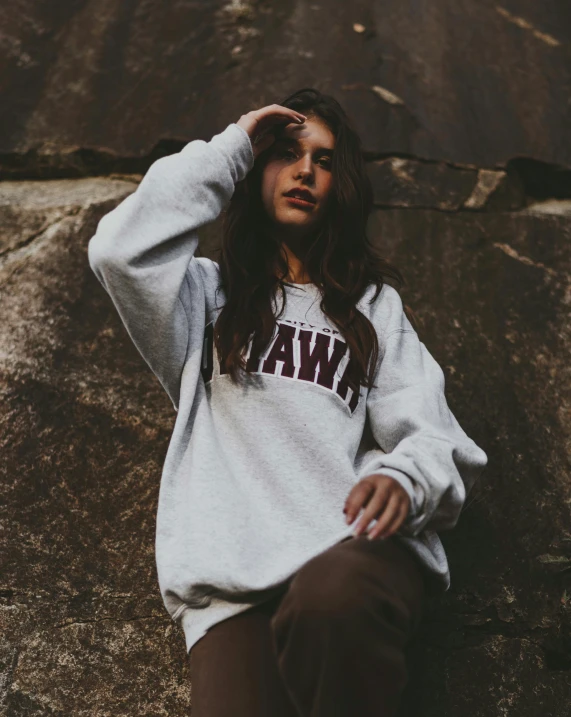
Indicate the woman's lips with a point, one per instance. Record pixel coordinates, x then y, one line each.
298 202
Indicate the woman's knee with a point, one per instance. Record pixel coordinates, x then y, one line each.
351 581
331 584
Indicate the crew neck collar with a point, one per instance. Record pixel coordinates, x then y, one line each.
308 285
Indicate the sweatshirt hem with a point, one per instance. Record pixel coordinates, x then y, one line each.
196 622
194 628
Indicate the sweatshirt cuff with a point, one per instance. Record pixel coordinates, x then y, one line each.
414 491
234 142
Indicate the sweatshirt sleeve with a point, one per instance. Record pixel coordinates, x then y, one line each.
143 250
426 450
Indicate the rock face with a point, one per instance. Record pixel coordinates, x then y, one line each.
84 429
464 114
466 82
493 292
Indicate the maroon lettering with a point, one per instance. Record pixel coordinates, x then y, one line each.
206 365
318 359
282 350
343 387
315 365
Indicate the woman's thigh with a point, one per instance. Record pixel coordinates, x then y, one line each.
233 668
359 572
341 630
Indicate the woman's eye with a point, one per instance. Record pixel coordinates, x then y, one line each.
291 153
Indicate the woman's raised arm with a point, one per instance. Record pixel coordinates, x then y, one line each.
143 250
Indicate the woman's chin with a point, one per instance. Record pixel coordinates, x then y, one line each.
294 218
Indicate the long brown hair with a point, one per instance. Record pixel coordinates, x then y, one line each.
340 258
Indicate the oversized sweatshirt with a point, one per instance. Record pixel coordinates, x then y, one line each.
257 473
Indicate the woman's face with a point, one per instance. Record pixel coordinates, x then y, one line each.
300 158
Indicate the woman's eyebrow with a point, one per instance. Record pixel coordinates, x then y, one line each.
293 140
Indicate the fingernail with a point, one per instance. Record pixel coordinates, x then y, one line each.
348 519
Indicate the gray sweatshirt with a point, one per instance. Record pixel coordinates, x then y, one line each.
256 475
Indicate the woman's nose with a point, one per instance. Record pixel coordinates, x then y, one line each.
304 169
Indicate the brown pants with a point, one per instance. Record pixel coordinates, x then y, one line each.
330 645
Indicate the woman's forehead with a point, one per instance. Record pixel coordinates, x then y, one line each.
308 133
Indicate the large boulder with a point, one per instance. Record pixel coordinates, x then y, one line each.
84 429
464 114
86 86
86 425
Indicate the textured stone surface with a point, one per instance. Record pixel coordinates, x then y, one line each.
493 294
83 434
409 183
464 113
455 80
86 425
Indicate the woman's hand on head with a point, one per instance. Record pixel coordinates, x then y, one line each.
261 124
385 499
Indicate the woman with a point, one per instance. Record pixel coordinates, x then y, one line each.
303 393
